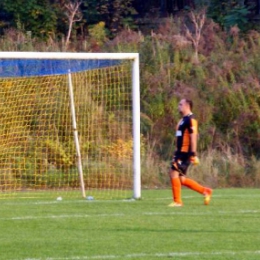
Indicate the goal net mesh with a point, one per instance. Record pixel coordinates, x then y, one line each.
37 150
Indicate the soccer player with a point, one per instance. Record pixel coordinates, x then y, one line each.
186 153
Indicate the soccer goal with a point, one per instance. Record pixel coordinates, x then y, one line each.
69 125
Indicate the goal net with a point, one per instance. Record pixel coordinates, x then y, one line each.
69 125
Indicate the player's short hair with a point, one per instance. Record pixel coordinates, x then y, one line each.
189 101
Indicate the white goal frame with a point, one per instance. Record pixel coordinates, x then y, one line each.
134 57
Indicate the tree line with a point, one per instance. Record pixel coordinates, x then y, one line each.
63 18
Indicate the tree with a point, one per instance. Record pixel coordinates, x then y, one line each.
73 14
165 7
116 14
198 21
37 16
230 13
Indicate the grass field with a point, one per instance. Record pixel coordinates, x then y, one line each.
229 228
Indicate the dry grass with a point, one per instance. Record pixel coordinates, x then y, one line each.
216 169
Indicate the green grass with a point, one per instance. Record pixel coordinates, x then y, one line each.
229 228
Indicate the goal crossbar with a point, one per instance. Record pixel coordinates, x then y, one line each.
69 55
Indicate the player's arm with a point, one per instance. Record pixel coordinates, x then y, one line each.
193 141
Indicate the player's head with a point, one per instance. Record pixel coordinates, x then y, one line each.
185 106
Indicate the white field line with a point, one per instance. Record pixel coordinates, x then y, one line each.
120 215
123 201
155 255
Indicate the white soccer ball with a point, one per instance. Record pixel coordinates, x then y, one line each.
90 198
59 198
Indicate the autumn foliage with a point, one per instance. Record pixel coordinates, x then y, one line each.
186 56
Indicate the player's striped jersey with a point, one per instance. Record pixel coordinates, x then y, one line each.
186 126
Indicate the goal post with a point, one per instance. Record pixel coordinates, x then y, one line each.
76 137
62 111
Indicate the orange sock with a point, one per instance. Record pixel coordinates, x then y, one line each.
176 189
193 185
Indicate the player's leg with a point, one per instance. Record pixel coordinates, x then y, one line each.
193 185
206 192
176 188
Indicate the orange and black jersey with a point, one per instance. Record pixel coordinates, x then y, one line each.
187 125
